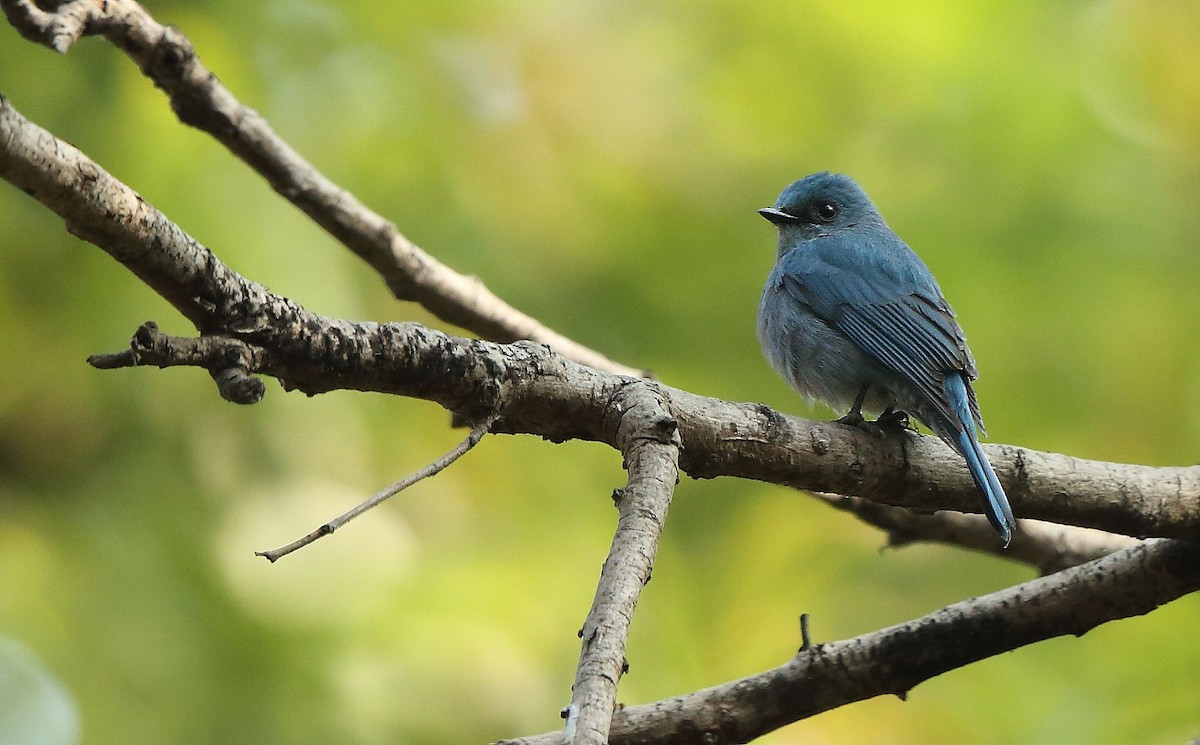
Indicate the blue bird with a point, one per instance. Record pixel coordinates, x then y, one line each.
853 318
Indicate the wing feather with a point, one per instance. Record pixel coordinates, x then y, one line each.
879 294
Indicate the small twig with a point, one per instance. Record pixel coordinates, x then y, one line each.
477 433
805 639
230 362
113 360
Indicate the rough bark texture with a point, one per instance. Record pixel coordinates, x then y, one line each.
648 437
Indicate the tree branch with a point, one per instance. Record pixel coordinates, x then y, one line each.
1045 546
921 473
649 439
542 393
228 361
427 471
199 99
893 660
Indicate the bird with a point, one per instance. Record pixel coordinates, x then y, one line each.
851 317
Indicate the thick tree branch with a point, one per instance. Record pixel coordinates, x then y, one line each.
649 440
1128 583
166 56
919 472
102 210
542 393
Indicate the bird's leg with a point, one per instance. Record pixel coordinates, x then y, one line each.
855 418
894 419
890 420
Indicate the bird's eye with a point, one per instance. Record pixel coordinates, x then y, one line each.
826 211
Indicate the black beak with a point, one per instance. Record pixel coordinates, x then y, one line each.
778 217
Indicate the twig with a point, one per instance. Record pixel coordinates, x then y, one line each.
199 99
893 660
805 639
229 361
649 440
472 439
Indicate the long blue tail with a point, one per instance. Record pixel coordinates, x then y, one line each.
995 503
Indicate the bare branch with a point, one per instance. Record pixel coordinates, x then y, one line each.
649 439
102 210
199 99
434 468
1051 547
544 394
1046 546
893 660
921 473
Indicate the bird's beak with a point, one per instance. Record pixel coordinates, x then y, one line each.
778 217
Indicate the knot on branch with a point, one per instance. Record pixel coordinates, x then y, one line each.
174 52
640 411
173 65
238 386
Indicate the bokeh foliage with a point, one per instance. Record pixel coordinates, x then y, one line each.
598 165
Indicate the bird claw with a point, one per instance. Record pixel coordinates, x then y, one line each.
888 422
853 419
895 421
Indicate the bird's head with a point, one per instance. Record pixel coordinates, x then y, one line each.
820 204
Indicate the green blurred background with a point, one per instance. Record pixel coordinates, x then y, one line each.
598 165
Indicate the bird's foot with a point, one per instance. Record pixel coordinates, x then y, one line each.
890 421
894 420
853 419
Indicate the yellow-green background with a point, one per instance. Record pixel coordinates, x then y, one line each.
598 164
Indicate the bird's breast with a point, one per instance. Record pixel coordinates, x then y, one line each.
817 360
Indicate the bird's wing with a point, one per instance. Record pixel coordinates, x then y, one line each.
883 298
907 338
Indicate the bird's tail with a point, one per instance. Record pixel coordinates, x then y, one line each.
964 440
